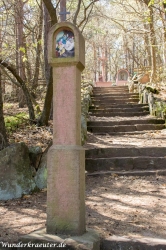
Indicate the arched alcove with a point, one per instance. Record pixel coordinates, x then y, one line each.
122 77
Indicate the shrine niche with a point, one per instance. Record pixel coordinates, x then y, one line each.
122 77
65 46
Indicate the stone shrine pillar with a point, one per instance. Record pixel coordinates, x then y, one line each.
66 158
65 225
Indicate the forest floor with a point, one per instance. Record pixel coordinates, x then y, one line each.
115 205
131 206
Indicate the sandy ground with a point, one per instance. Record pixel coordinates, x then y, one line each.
115 205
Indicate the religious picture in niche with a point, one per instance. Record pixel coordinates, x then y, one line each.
65 44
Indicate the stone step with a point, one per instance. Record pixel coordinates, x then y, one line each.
125 163
125 122
112 88
126 90
135 243
142 132
119 97
110 95
113 110
123 92
122 114
125 128
129 105
118 101
129 173
111 92
125 152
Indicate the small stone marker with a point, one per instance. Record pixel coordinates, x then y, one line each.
66 158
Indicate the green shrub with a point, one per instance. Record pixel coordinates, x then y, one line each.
13 122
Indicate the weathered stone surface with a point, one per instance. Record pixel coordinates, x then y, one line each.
125 128
157 106
125 163
125 152
83 128
126 243
65 190
90 240
122 114
16 176
86 90
133 121
35 154
41 174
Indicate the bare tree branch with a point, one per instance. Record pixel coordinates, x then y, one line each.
6 73
77 11
13 70
85 12
51 10
87 18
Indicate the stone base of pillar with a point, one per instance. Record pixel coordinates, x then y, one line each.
66 190
90 240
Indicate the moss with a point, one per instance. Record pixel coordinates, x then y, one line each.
13 122
153 90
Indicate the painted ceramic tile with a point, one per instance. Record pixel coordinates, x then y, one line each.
65 44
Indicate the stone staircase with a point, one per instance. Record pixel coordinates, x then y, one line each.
123 137
125 146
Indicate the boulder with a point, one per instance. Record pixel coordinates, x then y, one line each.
35 153
41 174
16 177
83 129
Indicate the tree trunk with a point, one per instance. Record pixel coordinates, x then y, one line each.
152 41
3 136
163 18
28 67
153 46
147 47
133 53
21 45
94 61
38 52
43 120
47 26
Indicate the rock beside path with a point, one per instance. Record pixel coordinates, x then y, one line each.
23 170
16 176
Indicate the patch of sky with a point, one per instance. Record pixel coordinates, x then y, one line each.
54 2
